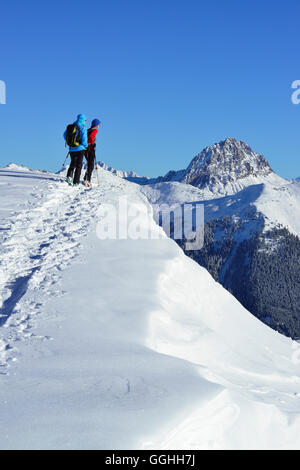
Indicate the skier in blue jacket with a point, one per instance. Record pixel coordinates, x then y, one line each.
77 153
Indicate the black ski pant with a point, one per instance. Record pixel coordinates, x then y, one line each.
75 166
90 162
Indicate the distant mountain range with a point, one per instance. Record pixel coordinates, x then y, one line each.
120 173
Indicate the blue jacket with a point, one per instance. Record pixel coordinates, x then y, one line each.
83 134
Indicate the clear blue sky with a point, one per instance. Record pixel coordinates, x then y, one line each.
166 77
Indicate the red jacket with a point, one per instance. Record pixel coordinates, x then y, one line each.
92 134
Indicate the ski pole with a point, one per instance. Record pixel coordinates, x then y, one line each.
87 163
66 159
96 164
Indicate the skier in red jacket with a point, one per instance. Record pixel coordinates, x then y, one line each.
90 153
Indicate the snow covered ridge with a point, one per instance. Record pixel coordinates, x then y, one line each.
127 344
18 167
15 167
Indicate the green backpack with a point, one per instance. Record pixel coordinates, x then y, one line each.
73 135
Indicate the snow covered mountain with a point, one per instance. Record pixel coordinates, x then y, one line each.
221 169
120 173
252 227
126 343
225 168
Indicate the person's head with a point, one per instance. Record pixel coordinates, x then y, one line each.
95 123
81 118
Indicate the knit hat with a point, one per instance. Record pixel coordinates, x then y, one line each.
95 123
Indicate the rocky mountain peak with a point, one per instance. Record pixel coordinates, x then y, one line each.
226 162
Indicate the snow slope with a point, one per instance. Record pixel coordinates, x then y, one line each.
122 344
17 185
277 200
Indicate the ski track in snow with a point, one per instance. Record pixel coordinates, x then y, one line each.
36 245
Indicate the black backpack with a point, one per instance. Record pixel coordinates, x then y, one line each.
73 138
